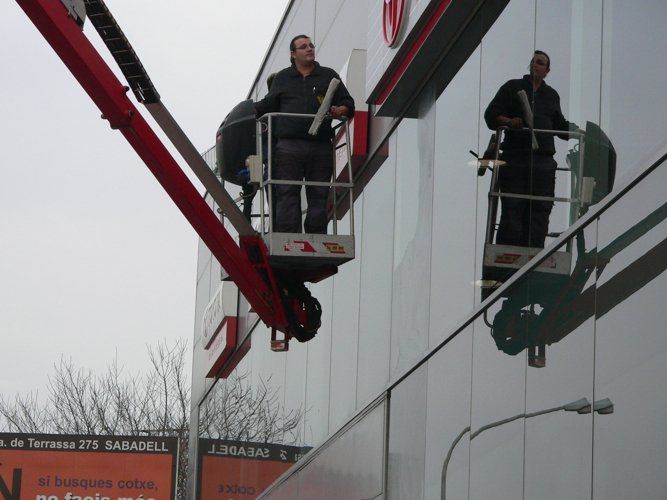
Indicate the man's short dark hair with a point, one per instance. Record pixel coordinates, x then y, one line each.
292 46
541 52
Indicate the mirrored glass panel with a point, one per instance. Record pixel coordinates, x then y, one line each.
448 420
289 490
631 345
559 339
351 466
498 400
407 434
569 34
633 82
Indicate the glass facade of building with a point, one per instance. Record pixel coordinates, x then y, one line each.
415 387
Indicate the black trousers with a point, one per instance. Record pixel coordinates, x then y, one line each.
297 159
525 223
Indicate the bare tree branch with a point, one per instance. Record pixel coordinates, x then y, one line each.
154 403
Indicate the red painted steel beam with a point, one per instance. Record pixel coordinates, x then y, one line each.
109 94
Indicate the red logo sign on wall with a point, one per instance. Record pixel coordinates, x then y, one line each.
392 19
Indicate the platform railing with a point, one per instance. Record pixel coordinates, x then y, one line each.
496 164
265 124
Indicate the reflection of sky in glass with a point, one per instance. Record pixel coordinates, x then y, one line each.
631 347
634 78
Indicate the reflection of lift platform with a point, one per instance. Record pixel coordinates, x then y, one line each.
501 261
309 250
530 317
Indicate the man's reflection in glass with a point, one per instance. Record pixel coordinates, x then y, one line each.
530 167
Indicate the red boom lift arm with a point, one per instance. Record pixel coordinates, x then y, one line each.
246 265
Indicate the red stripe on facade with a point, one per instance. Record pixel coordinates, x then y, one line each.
412 51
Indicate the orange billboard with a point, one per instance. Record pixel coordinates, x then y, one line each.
238 470
74 467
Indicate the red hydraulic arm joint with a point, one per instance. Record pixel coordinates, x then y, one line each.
66 37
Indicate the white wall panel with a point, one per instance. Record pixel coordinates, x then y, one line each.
318 370
376 283
413 212
379 54
345 335
454 194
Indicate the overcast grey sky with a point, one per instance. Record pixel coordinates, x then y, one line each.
95 256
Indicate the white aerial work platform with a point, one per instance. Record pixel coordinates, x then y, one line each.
308 252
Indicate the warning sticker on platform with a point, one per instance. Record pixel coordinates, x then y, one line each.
335 247
507 258
549 263
75 467
299 246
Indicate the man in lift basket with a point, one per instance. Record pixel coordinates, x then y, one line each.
530 167
301 88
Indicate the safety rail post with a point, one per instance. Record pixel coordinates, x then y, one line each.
334 190
492 209
260 153
350 192
269 167
582 153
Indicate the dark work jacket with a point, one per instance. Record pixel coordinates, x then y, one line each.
293 93
546 115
